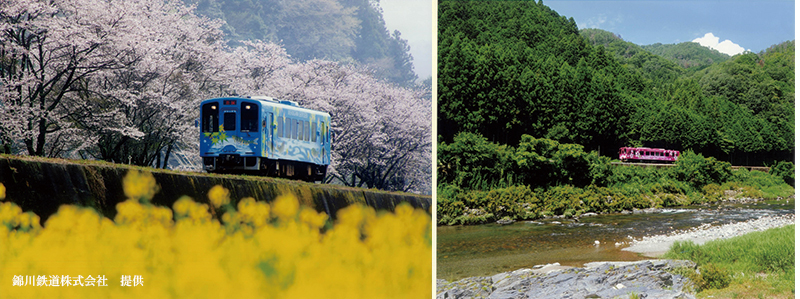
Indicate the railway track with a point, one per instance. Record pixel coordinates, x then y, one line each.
658 165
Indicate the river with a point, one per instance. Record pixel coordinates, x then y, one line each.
482 250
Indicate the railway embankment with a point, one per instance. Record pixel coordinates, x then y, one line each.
42 185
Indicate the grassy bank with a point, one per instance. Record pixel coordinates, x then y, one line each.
481 182
41 185
756 265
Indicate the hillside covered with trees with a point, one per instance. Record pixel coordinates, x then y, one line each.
531 111
689 55
513 68
337 30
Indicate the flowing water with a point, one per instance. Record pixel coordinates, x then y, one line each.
482 250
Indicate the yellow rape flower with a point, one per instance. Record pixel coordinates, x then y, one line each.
219 196
312 218
2 191
253 212
182 206
196 257
285 207
139 185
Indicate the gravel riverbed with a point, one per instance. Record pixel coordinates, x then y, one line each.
655 246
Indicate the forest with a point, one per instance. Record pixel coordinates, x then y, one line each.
121 81
513 68
531 111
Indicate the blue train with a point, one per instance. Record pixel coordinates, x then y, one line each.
264 136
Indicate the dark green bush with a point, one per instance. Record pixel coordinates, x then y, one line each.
783 170
560 198
600 169
509 202
714 277
472 162
698 171
712 192
448 206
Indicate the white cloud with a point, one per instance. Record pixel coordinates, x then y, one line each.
600 21
726 46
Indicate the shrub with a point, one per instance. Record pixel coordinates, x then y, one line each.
698 171
472 162
600 169
783 170
508 202
714 277
559 199
712 192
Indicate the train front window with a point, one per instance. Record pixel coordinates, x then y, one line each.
249 117
210 117
229 121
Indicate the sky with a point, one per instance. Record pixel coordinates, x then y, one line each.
414 20
730 26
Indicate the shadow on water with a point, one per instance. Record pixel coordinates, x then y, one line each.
482 250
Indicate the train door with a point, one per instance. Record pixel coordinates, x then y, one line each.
270 132
321 140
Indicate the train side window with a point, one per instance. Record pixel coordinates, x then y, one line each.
300 128
280 126
306 129
298 134
294 128
229 121
313 131
249 121
210 117
288 127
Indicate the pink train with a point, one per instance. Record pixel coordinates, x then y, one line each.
645 154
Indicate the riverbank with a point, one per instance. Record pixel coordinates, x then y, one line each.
553 280
693 180
657 245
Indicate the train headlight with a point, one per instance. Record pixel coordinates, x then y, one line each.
213 107
247 107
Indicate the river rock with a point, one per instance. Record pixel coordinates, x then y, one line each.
646 279
505 221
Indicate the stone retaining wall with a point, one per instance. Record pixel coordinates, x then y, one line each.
42 185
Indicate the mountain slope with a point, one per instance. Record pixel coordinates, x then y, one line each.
689 55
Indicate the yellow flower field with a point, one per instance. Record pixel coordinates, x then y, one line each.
251 250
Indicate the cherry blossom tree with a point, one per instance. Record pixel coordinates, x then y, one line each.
47 48
382 132
114 80
154 100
